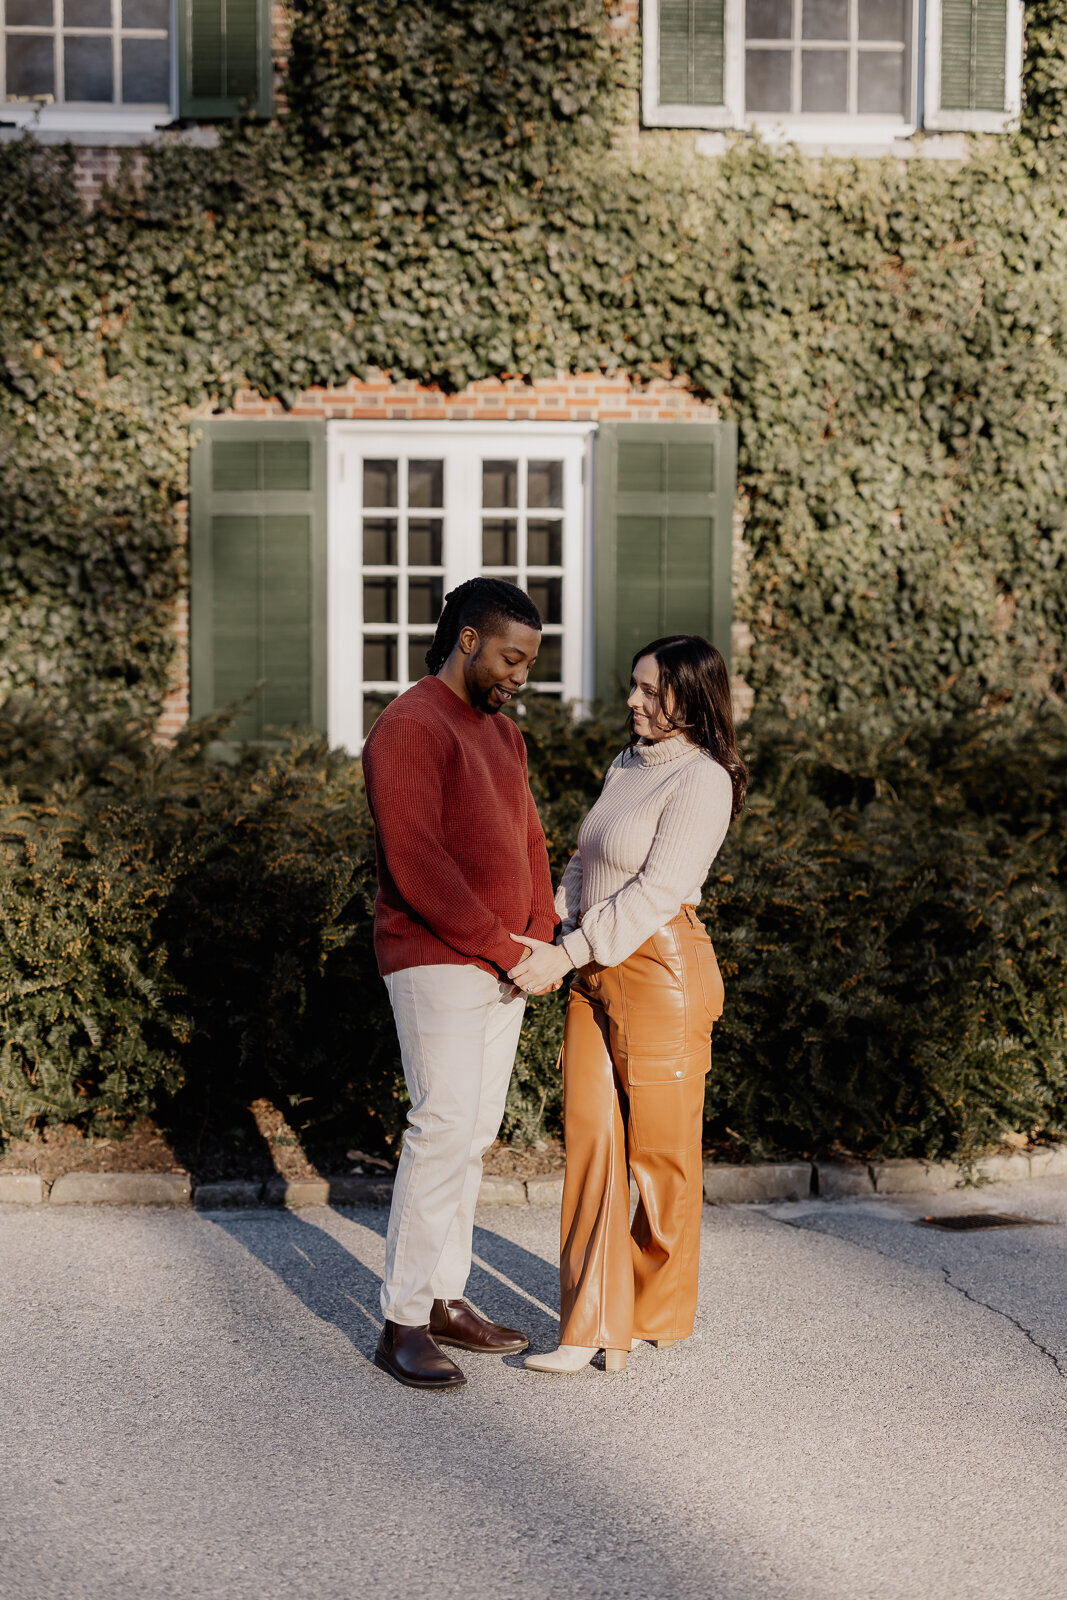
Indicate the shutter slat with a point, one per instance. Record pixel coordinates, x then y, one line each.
258 589
691 43
974 37
224 57
664 523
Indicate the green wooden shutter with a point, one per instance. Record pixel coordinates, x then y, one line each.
258 572
224 54
974 37
692 39
664 535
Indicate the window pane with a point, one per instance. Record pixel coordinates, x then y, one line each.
379 659
145 13
769 19
547 596
544 484
500 542
549 668
379 483
29 13
544 543
767 75
826 19
379 602
30 67
379 541
373 706
424 542
500 483
426 483
824 80
882 19
145 72
881 81
87 68
418 644
87 13
425 599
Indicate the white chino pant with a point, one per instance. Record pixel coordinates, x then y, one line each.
458 1029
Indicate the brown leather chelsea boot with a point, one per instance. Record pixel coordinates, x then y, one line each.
410 1356
455 1322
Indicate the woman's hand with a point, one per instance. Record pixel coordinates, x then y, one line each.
543 970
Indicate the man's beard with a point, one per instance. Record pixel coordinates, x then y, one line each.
480 693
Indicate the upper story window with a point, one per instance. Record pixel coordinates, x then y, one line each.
827 56
114 71
87 52
833 71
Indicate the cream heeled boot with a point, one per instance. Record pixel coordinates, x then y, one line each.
573 1357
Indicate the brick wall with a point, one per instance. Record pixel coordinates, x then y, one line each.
568 397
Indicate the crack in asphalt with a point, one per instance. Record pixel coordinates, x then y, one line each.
997 1312
946 1272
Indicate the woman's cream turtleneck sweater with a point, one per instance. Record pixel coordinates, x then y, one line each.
644 849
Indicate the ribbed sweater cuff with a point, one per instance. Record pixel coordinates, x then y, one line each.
578 948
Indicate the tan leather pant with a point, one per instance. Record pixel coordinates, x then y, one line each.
636 1050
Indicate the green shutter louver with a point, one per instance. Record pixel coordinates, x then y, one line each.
973 47
664 534
258 572
224 54
692 36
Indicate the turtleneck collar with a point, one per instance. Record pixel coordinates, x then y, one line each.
659 752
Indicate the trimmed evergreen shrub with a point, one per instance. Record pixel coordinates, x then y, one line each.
185 932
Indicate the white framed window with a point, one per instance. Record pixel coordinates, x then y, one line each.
832 72
414 510
71 65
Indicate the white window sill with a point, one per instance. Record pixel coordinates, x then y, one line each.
110 126
850 140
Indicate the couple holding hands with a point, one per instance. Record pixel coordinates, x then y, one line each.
466 927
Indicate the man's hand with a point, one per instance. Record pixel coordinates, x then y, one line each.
540 969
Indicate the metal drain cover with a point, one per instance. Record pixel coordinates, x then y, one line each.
966 1221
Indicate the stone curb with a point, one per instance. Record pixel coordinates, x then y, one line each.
725 1183
21 1189
729 1184
122 1189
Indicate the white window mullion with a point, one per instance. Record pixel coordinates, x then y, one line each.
60 87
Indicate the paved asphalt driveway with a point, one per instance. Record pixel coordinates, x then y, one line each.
868 1411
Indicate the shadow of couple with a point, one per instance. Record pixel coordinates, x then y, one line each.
330 1268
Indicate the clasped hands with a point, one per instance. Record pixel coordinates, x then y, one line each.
542 967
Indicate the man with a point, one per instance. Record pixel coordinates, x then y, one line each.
461 866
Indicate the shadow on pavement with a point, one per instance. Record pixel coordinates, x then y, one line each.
337 1287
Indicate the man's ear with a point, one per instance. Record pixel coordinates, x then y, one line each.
468 640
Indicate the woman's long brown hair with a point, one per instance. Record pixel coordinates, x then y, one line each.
694 691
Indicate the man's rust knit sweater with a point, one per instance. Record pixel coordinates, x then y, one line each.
461 853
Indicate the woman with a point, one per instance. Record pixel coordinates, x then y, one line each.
638 1033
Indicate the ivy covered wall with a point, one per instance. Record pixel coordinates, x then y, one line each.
445 199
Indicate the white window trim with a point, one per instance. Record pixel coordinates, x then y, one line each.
346 441
973 121
729 115
93 122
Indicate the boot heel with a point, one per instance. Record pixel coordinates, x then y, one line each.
615 1360
664 1344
